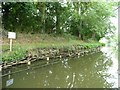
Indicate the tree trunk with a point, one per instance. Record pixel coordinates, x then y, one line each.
42 8
57 19
93 35
43 18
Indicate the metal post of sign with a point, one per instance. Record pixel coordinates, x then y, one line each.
10 44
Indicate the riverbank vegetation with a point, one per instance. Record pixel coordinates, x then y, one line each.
54 25
22 45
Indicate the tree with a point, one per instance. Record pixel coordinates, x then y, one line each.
18 16
86 20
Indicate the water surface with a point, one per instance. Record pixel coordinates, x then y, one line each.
98 70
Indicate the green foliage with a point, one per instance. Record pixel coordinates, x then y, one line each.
14 55
93 21
18 16
92 45
86 20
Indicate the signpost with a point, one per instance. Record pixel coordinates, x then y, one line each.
11 35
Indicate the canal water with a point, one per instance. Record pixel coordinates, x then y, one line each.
97 70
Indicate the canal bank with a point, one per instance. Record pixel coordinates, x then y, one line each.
48 53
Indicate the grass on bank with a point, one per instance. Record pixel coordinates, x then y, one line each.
25 42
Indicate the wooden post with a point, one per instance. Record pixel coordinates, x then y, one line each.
10 44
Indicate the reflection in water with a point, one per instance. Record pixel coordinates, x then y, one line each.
91 71
112 54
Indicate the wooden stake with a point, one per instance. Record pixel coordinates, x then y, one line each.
10 45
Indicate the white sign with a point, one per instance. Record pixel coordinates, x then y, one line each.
11 35
9 82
